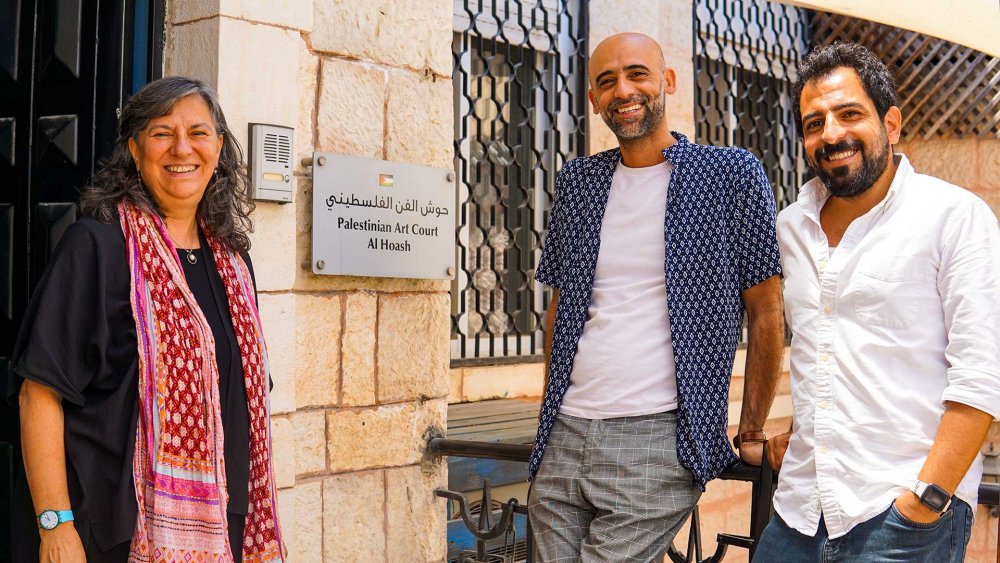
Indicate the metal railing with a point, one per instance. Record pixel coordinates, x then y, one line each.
485 527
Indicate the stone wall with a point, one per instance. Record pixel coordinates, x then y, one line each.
973 164
360 365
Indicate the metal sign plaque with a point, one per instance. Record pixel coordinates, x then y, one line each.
382 219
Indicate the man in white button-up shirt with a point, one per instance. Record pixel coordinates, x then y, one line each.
892 293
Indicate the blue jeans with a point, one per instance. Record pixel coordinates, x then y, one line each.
888 537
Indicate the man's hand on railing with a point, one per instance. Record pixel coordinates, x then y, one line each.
776 449
752 453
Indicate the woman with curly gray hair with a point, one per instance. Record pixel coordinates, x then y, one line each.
141 369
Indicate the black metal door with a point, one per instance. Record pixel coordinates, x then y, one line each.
65 68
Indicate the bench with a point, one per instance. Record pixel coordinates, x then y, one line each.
502 421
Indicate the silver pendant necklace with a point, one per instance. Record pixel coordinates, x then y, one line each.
191 258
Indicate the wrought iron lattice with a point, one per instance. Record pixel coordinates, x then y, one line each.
945 90
746 59
520 107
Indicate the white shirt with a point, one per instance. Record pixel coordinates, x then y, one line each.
901 316
624 364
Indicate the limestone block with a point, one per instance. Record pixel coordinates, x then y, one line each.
675 33
310 442
277 315
354 518
669 23
305 131
408 33
989 164
417 34
951 160
421 120
982 545
389 435
345 27
318 335
193 50
455 392
992 198
413 353
273 234
608 18
680 104
740 363
285 13
296 14
283 445
286 517
310 513
358 380
601 138
258 75
515 380
351 108
179 11
417 531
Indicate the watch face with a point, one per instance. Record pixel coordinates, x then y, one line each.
48 519
935 497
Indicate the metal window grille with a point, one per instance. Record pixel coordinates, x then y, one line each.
746 59
520 107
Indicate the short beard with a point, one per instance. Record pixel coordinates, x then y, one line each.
655 110
840 182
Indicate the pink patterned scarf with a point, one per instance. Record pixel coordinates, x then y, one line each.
179 469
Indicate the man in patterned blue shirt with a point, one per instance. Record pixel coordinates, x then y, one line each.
655 250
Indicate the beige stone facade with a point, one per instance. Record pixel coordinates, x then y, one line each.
361 365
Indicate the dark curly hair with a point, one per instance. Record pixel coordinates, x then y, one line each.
823 61
225 207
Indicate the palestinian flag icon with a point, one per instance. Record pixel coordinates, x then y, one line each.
385 180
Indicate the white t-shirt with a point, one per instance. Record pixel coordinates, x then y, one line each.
624 363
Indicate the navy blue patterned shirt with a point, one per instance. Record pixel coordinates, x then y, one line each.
720 239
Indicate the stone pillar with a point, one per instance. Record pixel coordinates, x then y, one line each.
360 365
669 22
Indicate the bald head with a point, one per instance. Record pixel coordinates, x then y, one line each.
629 83
613 47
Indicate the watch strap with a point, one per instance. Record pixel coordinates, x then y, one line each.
748 437
62 516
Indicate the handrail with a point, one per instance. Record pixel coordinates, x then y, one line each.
763 479
481 450
989 493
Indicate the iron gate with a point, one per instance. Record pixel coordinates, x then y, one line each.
65 67
520 111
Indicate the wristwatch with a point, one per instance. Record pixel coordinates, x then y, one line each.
49 519
932 496
747 437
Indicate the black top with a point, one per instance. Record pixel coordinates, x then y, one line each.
78 337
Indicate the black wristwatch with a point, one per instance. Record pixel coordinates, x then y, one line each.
932 496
